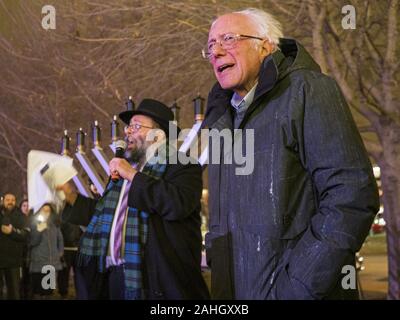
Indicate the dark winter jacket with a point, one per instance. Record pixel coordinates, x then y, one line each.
71 232
286 230
12 245
172 257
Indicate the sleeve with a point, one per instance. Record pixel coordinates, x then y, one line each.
35 236
173 197
333 153
81 212
60 242
19 235
20 231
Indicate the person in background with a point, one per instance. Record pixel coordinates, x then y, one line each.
24 207
25 287
71 236
46 249
13 234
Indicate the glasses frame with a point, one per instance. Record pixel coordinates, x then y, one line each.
223 43
135 127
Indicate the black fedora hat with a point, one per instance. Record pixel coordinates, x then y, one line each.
154 109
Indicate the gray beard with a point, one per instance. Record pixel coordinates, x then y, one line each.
135 156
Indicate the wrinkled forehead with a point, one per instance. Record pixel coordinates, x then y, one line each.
236 23
9 197
142 119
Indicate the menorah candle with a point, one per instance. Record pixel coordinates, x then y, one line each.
114 129
175 111
198 104
96 134
130 105
65 143
80 140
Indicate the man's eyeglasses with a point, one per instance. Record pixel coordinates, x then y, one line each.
136 127
226 42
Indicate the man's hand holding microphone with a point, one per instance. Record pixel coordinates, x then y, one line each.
119 167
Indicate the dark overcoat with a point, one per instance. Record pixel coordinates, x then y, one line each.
12 245
172 254
287 229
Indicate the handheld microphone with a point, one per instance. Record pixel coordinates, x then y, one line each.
120 147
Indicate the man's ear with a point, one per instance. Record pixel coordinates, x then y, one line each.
266 48
160 135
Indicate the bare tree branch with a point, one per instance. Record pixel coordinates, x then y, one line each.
392 32
20 126
374 149
94 104
319 20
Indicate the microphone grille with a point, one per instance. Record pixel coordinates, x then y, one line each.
120 144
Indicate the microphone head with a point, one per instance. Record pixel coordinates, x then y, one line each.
120 147
120 144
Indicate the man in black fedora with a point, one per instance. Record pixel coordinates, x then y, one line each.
143 238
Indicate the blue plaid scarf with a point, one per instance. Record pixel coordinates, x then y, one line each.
95 242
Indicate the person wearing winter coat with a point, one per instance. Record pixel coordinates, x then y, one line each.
285 224
46 251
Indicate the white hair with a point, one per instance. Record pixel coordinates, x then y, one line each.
267 25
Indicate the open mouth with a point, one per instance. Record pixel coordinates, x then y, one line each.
224 67
130 142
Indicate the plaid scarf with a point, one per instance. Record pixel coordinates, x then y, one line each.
94 243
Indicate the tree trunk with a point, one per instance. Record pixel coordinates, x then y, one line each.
390 177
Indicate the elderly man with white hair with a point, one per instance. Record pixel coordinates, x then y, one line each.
287 229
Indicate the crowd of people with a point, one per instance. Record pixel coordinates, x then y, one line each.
28 243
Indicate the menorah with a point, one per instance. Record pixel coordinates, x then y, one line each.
97 150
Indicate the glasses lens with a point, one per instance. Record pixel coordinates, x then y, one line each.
205 54
228 41
130 127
